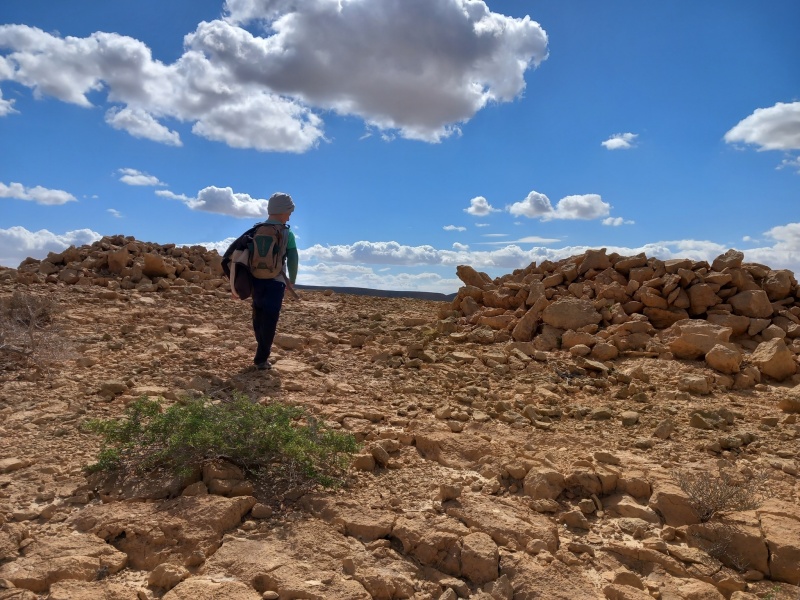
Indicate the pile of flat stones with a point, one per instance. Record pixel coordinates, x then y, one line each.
124 263
742 319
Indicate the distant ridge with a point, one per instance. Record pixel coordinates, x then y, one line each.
356 291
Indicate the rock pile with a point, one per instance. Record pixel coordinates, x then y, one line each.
742 318
119 262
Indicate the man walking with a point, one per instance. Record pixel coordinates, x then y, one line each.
269 249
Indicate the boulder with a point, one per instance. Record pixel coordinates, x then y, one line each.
779 284
774 359
790 401
118 260
724 359
571 313
732 259
692 338
479 558
752 303
673 504
472 277
543 483
780 522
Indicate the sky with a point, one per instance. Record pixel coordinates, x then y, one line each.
413 135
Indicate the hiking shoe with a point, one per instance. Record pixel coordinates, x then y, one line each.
265 366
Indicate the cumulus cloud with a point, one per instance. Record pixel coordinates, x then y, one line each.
114 213
480 207
17 243
791 163
773 128
534 205
223 201
329 263
584 207
620 141
141 124
324 274
134 177
37 194
418 69
454 228
617 221
6 106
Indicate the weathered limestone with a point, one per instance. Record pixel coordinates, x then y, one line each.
689 306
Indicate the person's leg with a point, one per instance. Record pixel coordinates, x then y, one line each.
266 312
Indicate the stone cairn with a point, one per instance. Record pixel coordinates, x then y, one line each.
124 263
743 319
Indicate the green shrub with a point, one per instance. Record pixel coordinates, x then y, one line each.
271 440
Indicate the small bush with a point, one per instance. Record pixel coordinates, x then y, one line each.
265 440
26 332
711 494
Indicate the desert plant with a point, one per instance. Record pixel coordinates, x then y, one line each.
711 494
25 328
265 440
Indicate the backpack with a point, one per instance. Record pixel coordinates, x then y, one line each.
268 250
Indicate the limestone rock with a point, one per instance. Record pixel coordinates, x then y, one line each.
472 277
751 303
691 339
544 484
170 531
790 400
780 523
724 359
774 359
571 313
479 558
731 259
202 588
50 560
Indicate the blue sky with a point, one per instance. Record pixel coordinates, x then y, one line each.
414 135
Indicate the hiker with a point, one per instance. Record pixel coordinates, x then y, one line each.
256 263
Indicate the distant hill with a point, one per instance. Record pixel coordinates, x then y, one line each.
433 296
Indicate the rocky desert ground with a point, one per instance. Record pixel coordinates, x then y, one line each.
601 427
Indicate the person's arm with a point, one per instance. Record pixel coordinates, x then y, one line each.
292 258
292 261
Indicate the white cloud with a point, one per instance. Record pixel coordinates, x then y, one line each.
114 213
534 205
388 63
6 106
531 239
584 207
134 177
480 207
17 243
223 201
141 124
791 163
497 235
482 225
324 274
620 141
460 247
36 194
454 228
774 128
617 221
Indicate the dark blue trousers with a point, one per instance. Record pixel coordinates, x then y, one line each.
267 302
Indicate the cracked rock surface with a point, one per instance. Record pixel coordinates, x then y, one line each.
492 466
